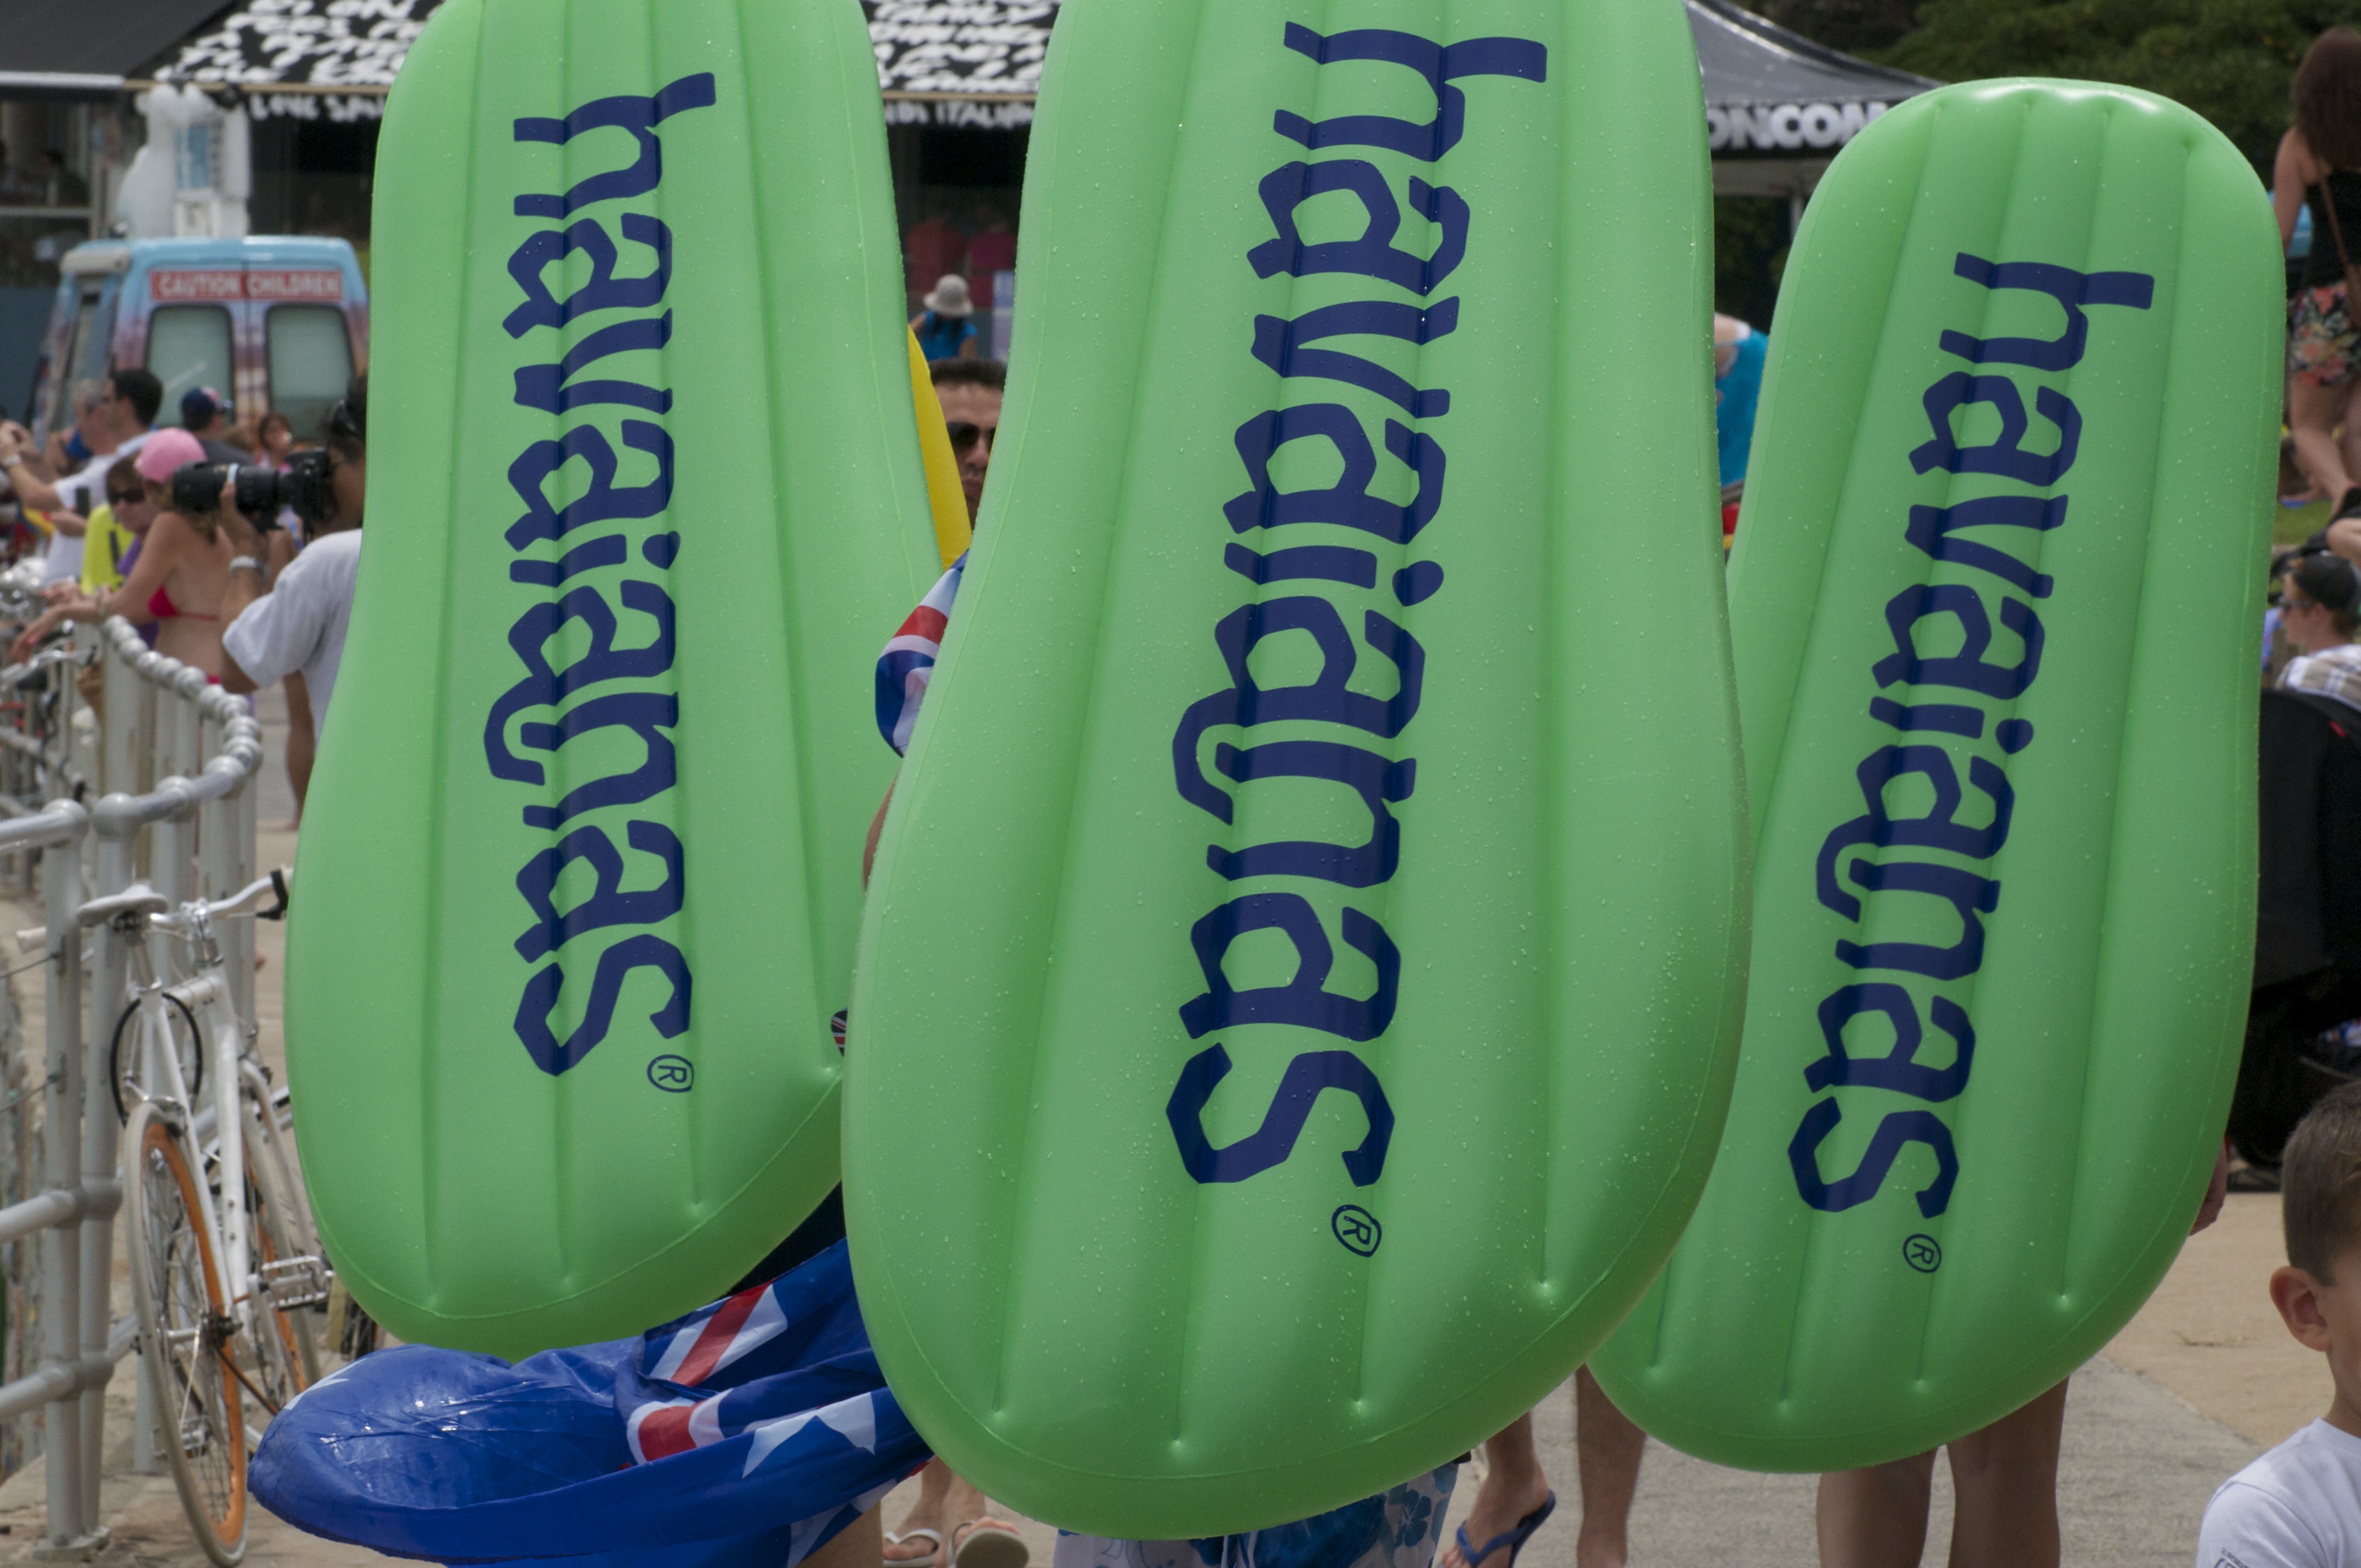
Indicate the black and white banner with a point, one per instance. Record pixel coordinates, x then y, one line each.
1786 127
963 47
305 43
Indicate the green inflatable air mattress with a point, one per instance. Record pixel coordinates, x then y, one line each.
581 862
1996 602
1299 981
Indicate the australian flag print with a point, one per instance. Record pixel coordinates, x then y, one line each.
747 1432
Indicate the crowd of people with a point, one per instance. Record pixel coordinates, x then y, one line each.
143 520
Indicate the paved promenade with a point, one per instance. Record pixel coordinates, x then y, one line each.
2201 1381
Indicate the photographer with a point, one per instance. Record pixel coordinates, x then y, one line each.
181 577
288 617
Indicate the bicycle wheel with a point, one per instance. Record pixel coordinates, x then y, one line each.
123 1058
184 1324
285 1358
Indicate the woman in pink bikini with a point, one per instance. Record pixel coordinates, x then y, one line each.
180 578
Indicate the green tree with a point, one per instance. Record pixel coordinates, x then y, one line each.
1856 26
2228 60
1749 253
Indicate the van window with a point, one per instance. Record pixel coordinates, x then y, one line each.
93 326
310 361
86 352
188 346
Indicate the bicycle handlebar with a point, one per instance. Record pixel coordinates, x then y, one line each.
17 674
235 904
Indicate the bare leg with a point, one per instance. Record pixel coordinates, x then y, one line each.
929 1512
2007 1480
1876 1518
1608 1445
2312 414
855 1546
302 744
1513 1487
2348 419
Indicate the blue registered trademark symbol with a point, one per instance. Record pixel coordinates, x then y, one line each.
673 1075
1923 1253
1358 1229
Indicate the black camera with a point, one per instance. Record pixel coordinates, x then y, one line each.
260 492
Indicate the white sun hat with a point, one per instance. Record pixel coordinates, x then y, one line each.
949 298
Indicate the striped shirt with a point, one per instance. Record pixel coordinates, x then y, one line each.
908 661
2332 673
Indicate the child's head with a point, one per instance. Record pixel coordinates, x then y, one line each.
2320 1181
2318 1292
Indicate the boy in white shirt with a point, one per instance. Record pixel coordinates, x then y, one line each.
2300 1504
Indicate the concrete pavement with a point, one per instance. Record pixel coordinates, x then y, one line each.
2139 1462
2203 1380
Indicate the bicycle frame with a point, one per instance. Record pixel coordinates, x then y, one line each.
224 1037
230 1072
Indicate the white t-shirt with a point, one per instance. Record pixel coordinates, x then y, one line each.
2297 1507
83 491
299 625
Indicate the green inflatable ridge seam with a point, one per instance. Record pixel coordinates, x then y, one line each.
664 1256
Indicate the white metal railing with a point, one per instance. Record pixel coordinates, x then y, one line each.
47 739
174 754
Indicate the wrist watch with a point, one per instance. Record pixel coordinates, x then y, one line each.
245 563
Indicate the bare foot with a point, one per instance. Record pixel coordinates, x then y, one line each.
906 1546
989 1542
1500 1504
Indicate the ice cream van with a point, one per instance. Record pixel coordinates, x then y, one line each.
278 322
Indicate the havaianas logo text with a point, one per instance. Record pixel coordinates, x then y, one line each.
650 704
1934 530
1285 346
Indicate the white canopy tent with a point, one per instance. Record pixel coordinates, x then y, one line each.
1779 106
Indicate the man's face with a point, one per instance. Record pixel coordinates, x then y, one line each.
965 403
91 419
123 418
348 483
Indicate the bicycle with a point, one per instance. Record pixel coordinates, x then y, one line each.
222 1287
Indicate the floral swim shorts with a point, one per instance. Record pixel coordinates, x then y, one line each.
2323 347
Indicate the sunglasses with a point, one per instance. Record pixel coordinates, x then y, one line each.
964 435
125 497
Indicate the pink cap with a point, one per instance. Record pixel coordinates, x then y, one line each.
165 451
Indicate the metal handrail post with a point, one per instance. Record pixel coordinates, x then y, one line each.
118 761
172 852
101 1155
123 693
61 1245
60 747
225 855
74 750
149 764
143 750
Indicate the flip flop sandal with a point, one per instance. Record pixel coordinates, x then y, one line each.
929 1561
1514 1539
988 1542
